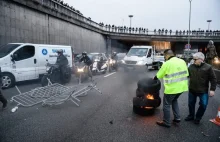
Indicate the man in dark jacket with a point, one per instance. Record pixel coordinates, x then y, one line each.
85 58
62 61
200 74
2 98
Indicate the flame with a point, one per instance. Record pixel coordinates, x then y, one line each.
148 107
150 97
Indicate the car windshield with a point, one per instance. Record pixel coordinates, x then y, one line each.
121 56
137 52
6 49
93 56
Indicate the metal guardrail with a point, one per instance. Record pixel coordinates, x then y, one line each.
108 29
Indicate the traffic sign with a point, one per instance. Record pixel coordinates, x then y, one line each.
187 46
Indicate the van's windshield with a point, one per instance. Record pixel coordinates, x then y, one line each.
137 52
6 49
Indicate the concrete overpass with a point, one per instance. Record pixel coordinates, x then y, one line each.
48 21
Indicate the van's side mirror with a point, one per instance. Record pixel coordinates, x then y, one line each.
149 55
14 57
46 60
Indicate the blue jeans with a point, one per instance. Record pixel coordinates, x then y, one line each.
202 104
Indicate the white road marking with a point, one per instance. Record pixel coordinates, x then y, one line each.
110 74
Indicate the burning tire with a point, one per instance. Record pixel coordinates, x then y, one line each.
147 96
143 111
149 85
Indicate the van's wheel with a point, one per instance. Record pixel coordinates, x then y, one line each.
8 80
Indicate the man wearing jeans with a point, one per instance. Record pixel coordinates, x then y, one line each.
174 73
201 74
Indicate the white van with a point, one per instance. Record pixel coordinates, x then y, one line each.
25 61
141 56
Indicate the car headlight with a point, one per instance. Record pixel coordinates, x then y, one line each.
80 70
123 61
47 69
140 63
111 62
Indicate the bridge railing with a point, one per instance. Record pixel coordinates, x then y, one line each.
108 29
153 33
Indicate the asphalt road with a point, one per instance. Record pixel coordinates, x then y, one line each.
105 118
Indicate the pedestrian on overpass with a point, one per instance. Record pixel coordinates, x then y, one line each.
2 98
200 74
174 73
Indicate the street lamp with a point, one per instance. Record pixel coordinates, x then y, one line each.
130 18
209 21
189 29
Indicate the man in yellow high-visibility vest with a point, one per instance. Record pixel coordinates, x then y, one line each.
174 73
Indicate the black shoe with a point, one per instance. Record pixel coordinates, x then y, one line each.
161 123
4 106
176 121
196 121
189 118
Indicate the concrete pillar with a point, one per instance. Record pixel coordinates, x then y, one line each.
109 46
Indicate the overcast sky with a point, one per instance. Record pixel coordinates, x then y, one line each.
151 14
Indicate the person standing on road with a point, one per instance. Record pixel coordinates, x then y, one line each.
2 98
200 75
174 73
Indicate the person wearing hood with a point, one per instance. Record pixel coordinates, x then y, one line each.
200 75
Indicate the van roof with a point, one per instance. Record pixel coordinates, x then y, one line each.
42 44
141 47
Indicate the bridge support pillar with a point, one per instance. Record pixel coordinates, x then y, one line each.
109 46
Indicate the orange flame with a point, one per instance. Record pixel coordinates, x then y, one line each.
150 97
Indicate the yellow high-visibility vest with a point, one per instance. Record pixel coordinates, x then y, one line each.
174 73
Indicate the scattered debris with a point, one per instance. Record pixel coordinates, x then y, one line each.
14 109
205 134
111 122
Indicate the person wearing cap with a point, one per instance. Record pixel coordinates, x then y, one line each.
200 75
174 73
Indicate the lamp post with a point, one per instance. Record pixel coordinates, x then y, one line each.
189 29
209 21
130 19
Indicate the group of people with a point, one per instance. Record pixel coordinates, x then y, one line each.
175 74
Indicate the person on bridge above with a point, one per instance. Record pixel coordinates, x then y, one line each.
174 72
200 75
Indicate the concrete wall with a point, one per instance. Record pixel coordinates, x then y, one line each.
19 23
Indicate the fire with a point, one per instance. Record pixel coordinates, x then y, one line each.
150 97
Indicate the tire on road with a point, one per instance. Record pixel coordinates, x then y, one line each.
9 78
148 85
142 111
